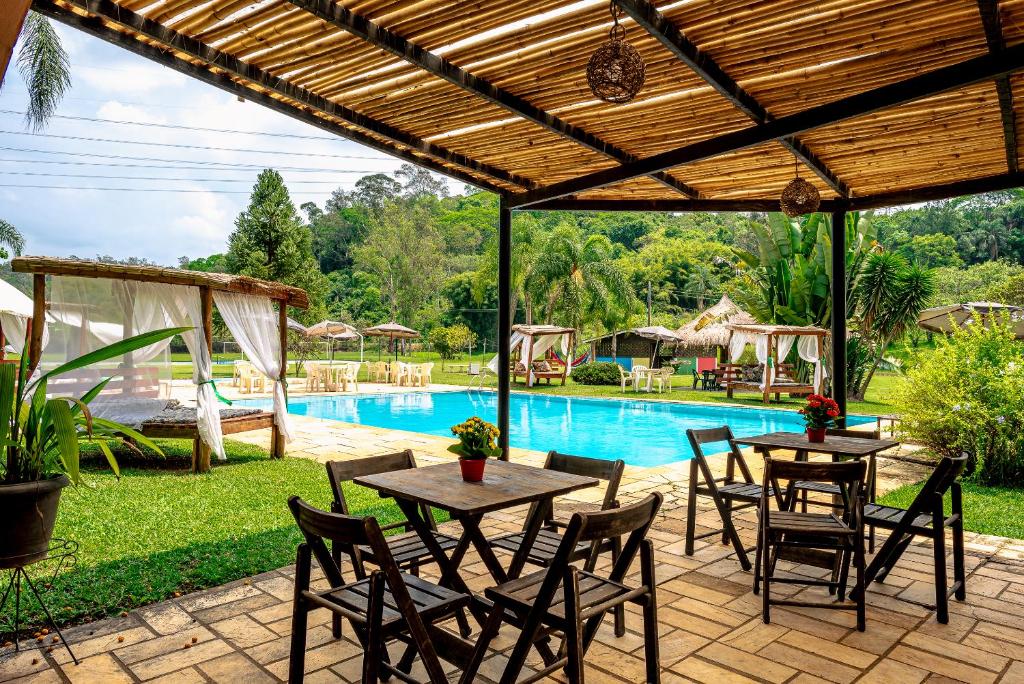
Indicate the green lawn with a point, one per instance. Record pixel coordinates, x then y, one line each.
988 510
160 530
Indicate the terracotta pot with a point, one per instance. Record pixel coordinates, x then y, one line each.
472 469
816 435
30 509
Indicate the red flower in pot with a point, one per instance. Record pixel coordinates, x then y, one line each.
819 414
476 443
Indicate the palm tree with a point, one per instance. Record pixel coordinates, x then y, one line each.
10 239
44 65
888 297
578 278
701 282
524 243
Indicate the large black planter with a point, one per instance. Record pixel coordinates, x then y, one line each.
29 511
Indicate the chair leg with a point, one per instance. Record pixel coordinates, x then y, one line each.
652 656
297 656
573 629
691 508
859 563
939 544
959 572
374 642
758 555
619 612
335 618
766 575
487 634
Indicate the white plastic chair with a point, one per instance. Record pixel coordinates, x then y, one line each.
663 378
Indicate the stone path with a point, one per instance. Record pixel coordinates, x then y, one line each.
710 626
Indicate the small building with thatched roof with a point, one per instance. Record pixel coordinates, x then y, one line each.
709 330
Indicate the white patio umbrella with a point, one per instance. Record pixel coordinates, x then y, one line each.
393 331
945 319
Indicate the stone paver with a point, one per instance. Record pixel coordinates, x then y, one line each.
710 624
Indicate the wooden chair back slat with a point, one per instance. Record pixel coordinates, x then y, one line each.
339 472
849 476
733 461
584 466
617 522
936 486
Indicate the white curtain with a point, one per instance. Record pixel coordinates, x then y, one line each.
807 348
541 344
14 327
513 344
763 350
737 343
253 323
785 344
567 353
182 307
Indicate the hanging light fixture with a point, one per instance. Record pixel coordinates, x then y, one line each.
799 197
616 70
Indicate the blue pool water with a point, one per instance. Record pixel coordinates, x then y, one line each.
642 433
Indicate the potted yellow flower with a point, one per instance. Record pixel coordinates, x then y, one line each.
476 442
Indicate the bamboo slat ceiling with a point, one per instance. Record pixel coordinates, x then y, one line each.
515 114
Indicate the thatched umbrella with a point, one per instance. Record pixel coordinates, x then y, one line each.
945 319
393 331
709 329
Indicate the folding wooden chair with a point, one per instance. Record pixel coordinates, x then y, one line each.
820 539
728 493
566 599
925 518
550 536
388 605
407 549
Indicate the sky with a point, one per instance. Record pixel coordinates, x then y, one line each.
174 195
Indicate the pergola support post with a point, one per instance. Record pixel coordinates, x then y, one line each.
839 313
200 450
37 324
276 436
504 320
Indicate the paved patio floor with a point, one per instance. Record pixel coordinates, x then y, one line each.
710 626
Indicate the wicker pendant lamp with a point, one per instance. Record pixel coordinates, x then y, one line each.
799 197
616 70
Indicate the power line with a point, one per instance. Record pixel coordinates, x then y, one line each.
170 190
180 127
186 147
159 159
180 168
159 178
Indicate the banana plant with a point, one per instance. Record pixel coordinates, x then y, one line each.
43 435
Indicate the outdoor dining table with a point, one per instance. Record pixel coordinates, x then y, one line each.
505 485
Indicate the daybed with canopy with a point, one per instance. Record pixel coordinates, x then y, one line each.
772 344
88 305
532 353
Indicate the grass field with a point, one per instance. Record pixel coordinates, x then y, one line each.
160 530
988 510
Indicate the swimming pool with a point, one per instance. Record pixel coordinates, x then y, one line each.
642 433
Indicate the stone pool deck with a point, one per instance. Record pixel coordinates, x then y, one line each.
709 621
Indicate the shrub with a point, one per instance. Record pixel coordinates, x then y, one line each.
966 397
451 340
602 373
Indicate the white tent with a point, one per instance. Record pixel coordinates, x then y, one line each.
15 311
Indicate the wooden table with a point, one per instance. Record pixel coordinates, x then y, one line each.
505 485
836 447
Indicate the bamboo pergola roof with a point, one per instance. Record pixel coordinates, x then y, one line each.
541 330
83 268
882 101
777 329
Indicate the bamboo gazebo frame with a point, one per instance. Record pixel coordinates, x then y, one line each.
767 388
497 98
284 295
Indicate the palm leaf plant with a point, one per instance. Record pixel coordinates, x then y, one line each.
43 435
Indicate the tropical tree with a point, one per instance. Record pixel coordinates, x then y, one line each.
526 241
11 240
44 66
888 296
579 278
702 283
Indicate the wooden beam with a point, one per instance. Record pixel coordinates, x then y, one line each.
38 322
340 16
972 186
991 21
839 313
941 80
504 332
669 205
654 22
238 78
12 18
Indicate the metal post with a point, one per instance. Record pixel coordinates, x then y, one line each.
839 313
504 320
